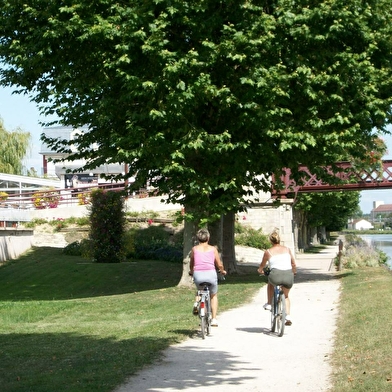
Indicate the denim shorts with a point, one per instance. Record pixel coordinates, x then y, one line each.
209 276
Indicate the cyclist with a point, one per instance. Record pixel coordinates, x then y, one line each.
283 268
205 260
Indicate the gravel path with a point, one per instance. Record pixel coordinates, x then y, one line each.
241 354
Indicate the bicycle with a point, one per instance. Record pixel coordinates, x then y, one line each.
204 308
278 311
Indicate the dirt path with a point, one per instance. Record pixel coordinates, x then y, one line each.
241 354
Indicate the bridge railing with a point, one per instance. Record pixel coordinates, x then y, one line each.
347 178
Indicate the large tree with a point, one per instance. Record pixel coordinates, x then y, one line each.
205 100
13 148
331 210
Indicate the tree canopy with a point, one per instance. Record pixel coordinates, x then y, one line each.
13 148
206 99
329 209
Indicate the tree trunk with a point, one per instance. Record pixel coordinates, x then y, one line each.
228 254
216 230
190 229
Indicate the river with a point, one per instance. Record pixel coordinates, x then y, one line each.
382 242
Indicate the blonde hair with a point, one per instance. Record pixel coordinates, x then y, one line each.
274 237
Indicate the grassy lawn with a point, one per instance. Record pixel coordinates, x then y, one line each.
70 325
363 351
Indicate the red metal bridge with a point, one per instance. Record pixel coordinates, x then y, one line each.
349 179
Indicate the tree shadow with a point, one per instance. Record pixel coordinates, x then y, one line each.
70 362
195 367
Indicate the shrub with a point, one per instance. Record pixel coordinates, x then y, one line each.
357 253
79 248
153 242
247 236
107 224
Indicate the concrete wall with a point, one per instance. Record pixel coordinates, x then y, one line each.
14 242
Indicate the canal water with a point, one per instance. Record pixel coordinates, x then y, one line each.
382 242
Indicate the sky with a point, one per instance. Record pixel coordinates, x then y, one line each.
17 111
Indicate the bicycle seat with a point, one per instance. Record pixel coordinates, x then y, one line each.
204 284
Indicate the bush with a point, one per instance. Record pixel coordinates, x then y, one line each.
246 236
153 243
357 253
107 224
79 248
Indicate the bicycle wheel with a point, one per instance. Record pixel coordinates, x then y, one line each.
203 317
203 326
273 313
281 316
209 317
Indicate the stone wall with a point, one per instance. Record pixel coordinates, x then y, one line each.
14 242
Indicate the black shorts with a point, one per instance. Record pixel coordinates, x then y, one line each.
283 277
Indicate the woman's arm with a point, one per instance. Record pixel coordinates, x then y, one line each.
263 263
191 263
293 265
218 262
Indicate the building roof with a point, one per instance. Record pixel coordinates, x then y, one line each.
383 208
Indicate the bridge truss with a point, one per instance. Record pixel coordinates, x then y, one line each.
347 176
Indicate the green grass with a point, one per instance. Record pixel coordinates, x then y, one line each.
70 325
362 356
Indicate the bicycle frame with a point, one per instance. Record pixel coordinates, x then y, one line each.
204 307
278 311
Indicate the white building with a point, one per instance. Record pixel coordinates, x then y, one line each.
360 224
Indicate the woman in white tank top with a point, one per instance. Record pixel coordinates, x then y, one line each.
282 264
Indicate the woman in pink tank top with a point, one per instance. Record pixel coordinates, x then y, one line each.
205 260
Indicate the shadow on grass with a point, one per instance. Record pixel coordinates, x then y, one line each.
73 363
48 274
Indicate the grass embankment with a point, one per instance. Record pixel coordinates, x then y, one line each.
363 354
72 326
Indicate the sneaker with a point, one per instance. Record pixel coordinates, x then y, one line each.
195 310
267 306
214 323
288 320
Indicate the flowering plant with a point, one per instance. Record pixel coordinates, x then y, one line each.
46 199
3 196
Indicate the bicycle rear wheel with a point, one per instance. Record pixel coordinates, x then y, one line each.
209 317
273 313
203 326
203 313
281 315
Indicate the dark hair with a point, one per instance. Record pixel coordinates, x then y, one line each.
203 235
274 237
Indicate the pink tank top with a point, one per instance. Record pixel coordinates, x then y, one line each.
204 261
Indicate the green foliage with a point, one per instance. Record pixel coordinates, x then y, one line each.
13 148
107 223
329 209
231 91
154 243
35 222
247 236
81 248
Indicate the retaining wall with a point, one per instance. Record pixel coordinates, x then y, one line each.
14 242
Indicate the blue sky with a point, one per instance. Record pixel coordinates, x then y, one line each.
17 111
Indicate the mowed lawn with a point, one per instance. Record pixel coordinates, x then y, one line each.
67 324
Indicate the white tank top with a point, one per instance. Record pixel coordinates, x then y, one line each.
281 261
